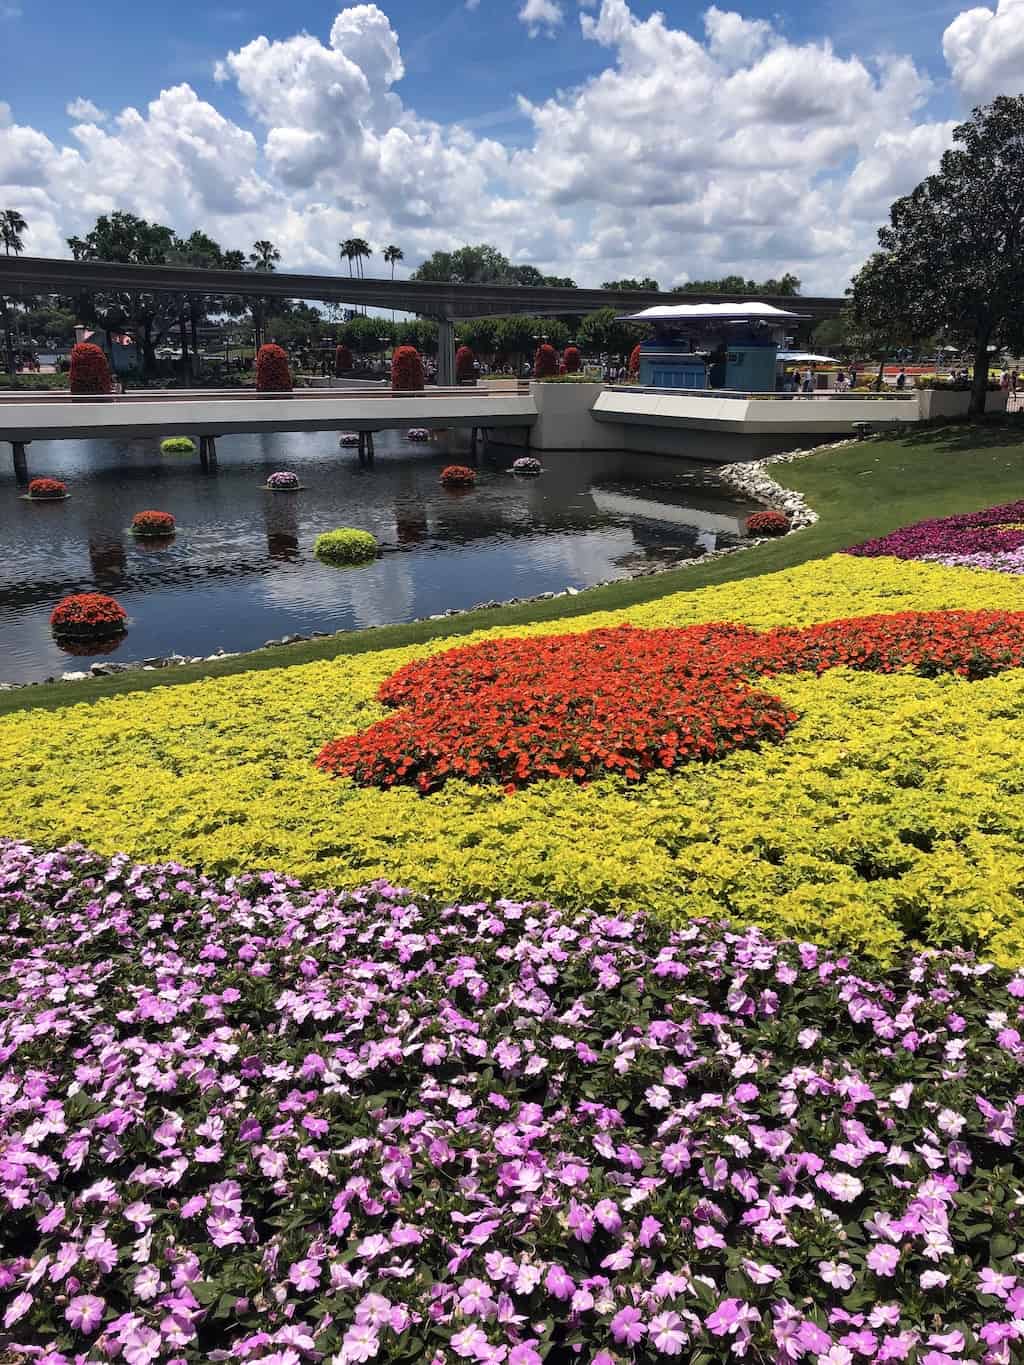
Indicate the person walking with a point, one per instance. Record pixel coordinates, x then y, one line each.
1014 377
901 379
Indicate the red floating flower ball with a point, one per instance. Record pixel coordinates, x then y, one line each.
630 702
47 490
458 476
769 523
153 524
87 614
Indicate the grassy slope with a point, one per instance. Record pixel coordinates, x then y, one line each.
858 491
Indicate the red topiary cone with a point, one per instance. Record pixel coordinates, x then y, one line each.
406 369
90 372
572 359
634 362
272 373
545 362
465 361
342 360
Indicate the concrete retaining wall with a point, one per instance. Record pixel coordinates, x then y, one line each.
939 403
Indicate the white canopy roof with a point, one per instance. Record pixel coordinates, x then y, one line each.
805 355
712 312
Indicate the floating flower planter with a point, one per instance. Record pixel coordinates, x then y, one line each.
283 482
47 490
348 438
526 464
178 445
153 524
417 434
88 616
767 524
458 476
345 547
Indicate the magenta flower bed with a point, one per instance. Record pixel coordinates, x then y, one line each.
990 539
245 1121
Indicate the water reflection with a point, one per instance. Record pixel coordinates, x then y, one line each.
241 570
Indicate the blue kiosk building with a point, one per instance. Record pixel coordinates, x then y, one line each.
713 345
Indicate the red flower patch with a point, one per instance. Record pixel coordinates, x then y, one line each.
47 488
458 476
770 523
88 613
630 701
153 524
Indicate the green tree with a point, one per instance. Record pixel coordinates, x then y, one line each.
952 255
645 283
12 225
787 286
392 255
602 333
264 258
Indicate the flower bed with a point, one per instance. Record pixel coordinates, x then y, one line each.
178 445
417 434
769 523
458 476
86 615
527 464
284 481
272 372
47 490
892 812
249 1119
348 438
992 538
347 546
153 524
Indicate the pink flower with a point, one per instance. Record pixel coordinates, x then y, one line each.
305 1276
627 1326
361 1343
17 1309
836 1273
933 1279
559 1283
883 1260
668 1333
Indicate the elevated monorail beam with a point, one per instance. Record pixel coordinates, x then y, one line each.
443 301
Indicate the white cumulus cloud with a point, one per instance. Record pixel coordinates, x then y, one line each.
985 50
542 16
85 111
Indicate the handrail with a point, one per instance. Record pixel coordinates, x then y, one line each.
59 397
904 396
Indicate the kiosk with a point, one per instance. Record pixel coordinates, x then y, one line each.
713 345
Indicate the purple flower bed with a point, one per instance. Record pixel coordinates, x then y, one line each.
284 478
988 539
245 1121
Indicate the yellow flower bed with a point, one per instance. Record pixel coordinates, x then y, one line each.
893 812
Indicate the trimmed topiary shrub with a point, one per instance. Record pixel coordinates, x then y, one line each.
87 614
406 369
342 360
458 476
153 524
769 523
178 445
634 362
464 363
345 546
571 359
545 362
272 373
47 490
90 371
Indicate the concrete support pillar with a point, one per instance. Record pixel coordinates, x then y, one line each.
208 452
369 445
20 462
445 352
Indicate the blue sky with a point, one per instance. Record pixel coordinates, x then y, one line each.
592 138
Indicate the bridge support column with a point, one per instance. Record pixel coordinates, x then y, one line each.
208 452
20 461
445 352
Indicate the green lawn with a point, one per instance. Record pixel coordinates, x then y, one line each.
859 491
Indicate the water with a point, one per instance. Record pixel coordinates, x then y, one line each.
241 569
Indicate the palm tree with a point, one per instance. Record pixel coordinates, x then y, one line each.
12 225
360 249
392 255
346 252
264 256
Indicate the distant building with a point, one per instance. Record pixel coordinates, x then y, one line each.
712 345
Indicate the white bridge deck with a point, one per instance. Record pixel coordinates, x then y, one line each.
35 416
753 413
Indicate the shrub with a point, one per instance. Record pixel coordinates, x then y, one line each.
284 480
464 364
571 359
47 490
272 373
178 445
406 369
342 360
90 372
526 464
770 523
545 361
88 613
153 524
346 546
634 362
458 476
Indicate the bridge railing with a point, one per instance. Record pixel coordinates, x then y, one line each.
818 396
55 398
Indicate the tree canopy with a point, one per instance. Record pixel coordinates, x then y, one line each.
482 264
951 258
788 285
645 283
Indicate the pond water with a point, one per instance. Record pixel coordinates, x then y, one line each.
241 568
